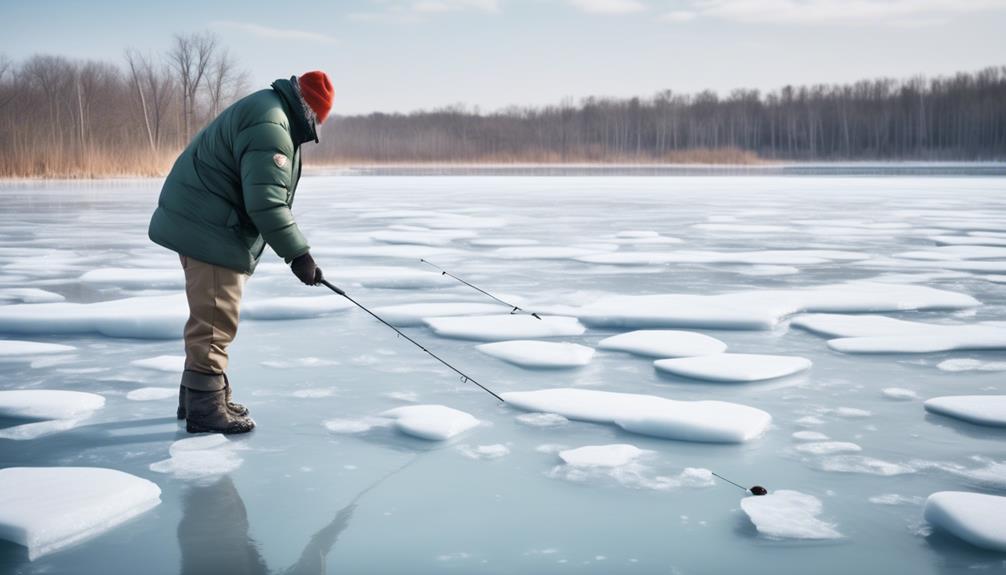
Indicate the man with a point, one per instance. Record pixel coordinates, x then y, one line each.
227 196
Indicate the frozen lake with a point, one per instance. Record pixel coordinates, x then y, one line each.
326 484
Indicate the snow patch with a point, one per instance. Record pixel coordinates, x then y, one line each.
152 393
899 393
664 343
431 422
166 363
786 514
828 447
48 403
542 419
969 364
199 458
539 354
494 451
733 367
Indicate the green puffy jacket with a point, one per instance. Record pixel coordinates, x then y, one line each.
229 193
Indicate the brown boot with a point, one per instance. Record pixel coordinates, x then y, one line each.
207 412
235 408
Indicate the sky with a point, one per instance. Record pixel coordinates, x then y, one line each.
404 55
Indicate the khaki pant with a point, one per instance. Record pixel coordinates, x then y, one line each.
214 295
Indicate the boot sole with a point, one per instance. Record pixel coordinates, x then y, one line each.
193 427
180 413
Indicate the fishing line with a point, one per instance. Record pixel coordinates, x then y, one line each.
514 309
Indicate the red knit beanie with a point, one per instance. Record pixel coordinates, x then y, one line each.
317 91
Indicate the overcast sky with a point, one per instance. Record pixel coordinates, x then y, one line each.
401 55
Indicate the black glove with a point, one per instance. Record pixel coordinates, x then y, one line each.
305 269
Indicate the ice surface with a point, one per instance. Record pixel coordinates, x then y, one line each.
431 422
504 327
135 278
152 393
412 314
864 464
899 393
763 309
974 517
734 367
787 514
16 349
702 421
200 458
539 354
422 236
601 455
663 343
542 419
48 403
494 451
50 508
550 252
281 308
971 364
881 334
828 447
388 277
978 409
166 363
809 436
28 295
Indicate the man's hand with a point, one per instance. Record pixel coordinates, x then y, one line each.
305 269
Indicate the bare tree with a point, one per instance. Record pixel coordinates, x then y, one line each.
191 57
137 65
223 80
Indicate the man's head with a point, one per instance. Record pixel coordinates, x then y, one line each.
317 91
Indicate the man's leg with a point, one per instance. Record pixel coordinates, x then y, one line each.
214 296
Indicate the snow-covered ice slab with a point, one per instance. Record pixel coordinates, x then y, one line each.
701 421
412 314
978 409
431 422
613 455
200 458
18 349
664 343
973 517
786 514
539 354
48 403
763 309
50 508
504 326
159 317
734 367
880 334
166 363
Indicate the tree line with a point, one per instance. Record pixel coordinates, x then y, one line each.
61 117
961 117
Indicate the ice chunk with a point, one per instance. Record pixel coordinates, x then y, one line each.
200 458
504 327
977 409
828 447
969 364
539 354
412 314
159 317
763 309
432 422
48 403
41 428
974 517
899 393
15 349
880 334
167 363
664 343
28 295
494 451
542 419
786 514
152 393
135 278
50 508
731 367
703 421
601 455
281 308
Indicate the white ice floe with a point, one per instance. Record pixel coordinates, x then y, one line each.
622 463
664 343
135 278
412 314
140 317
431 422
494 451
977 409
152 393
763 309
281 308
786 514
389 277
734 367
202 457
16 349
28 295
48 403
504 327
541 419
881 334
899 393
601 455
703 421
50 508
970 364
539 354
973 517
828 447
810 436
167 363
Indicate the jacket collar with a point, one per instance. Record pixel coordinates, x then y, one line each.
302 129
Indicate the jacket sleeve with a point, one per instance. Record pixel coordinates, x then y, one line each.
266 159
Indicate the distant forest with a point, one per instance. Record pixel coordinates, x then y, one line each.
61 117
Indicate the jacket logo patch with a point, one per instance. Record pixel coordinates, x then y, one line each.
280 160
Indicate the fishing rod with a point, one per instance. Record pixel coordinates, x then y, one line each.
464 377
754 490
444 272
